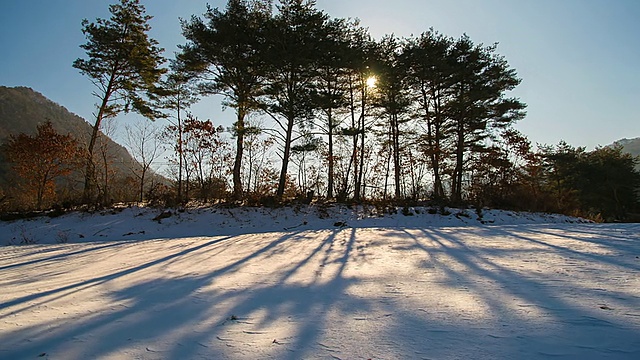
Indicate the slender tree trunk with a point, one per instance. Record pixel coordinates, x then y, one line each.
142 178
250 166
285 158
105 160
203 193
330 130
237 165
433 140
457 180
435 137
437 158
180 155
387 168
90 169
358 191
39 199
40 195
330 181
413 177
395 132
187 185
353 160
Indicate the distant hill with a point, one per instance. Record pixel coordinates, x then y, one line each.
22 109
631 146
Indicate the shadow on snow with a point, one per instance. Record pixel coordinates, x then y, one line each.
200 313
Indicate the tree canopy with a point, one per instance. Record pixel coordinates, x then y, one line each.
124 65
39 161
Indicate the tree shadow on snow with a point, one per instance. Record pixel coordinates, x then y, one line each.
172 307
524 312
282 296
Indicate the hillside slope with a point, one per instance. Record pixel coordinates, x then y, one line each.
631 146
22 109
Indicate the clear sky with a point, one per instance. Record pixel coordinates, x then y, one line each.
579 59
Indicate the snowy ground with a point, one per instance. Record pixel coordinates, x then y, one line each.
318 284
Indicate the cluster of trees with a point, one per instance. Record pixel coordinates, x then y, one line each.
46 170
408 106
322 107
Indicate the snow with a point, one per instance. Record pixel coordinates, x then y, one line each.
318 283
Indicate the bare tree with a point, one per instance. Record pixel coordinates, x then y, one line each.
144 145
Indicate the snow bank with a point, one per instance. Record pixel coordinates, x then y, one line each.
136 223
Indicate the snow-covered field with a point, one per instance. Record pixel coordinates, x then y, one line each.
312 283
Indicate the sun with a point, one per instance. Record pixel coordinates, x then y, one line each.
371 82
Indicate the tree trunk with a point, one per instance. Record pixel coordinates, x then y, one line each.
41 187
353 160
361 128
387 170
437 156
285 159
90 169
250 166
180 156
395 132
457 178
237 165
330 181
105 160
142 178
433 140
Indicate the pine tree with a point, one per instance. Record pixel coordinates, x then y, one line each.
292 61
393 101
124 65
332 87
430 79
224 52
602 183
479 106
360 60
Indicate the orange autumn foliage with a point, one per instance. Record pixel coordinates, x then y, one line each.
40 161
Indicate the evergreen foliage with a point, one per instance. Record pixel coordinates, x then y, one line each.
124 65
223 53
601 183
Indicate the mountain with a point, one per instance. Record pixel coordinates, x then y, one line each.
631 146
21 111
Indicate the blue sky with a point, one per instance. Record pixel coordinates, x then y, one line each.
579 59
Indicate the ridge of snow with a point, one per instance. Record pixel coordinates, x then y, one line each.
137 223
